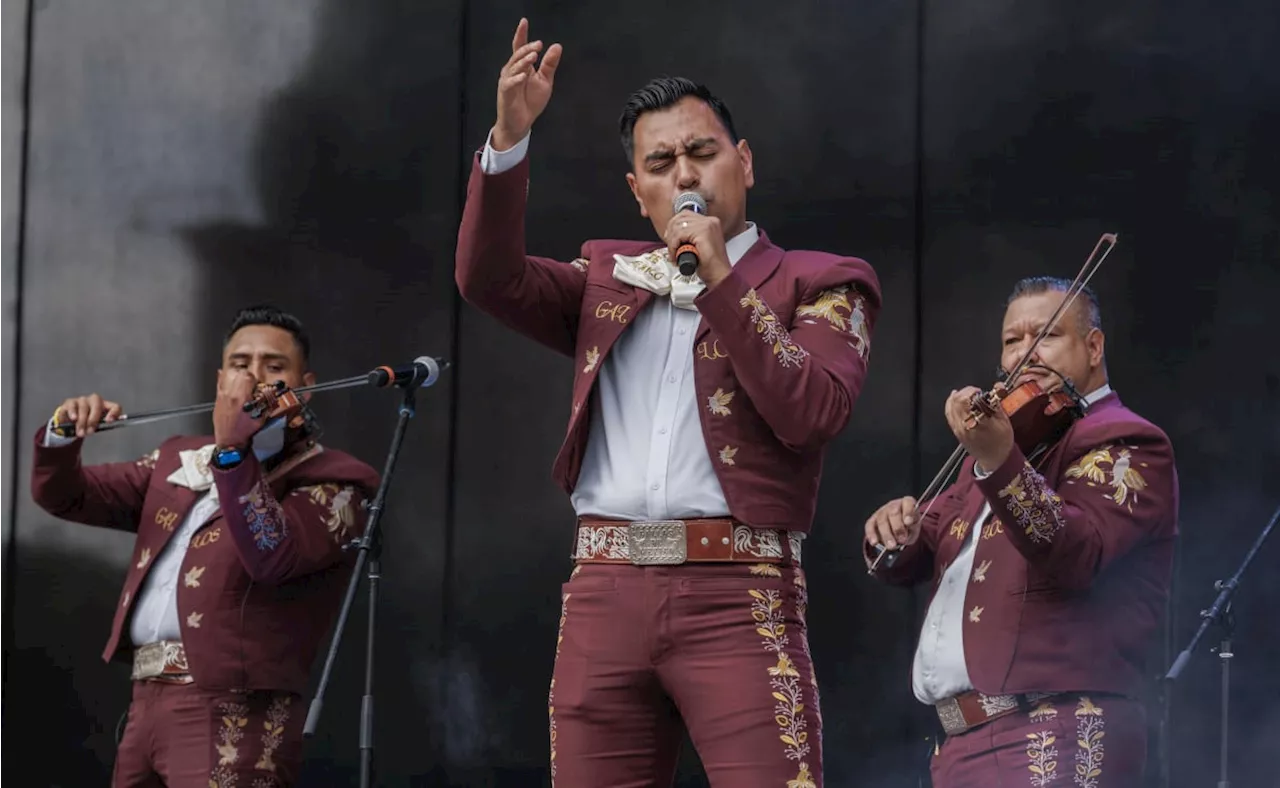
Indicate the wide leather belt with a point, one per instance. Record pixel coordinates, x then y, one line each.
968 710
672 542
164 660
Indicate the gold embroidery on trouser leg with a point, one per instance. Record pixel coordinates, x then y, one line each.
551 694
788 710
277 716
1040 750
235 716
1089 735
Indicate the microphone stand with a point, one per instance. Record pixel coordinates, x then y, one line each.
370 551
1220 613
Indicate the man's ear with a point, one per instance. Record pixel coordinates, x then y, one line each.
748 163
1096 341
309 379
631 181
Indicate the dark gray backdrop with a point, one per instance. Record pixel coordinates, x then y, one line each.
167 163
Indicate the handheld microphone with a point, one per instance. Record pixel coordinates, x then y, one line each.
424 371
687 253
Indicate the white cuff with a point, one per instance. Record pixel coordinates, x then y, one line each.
52 439
493 162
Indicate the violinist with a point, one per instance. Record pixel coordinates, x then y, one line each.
237 569
1049 563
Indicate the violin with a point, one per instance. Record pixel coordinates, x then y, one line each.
276 400
1038 417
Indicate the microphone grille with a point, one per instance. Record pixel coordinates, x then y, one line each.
691 200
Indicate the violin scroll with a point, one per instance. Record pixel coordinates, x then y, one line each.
276 400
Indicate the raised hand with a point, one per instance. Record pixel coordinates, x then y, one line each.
231 425
523 91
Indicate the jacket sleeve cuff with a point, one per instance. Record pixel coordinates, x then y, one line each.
998 479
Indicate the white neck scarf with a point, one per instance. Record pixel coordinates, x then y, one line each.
654 271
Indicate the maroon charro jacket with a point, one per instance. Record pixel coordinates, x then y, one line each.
262 578
780 354
1071 572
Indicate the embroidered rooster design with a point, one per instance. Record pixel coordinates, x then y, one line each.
1122 477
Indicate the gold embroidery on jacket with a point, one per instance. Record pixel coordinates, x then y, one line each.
718 403
828 305
772 331
144 558
726 454
958 528
193 620
192 578
1124 479
148 461
1035 507
340 514
980 573
593 358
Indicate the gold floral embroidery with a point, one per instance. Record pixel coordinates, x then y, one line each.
828 305
980 573
771 330
340 516
1089 733
718 403
803 779
593 358
766 610
726 454
193 620
235 716
765 570
1035 507
148 461
1044 711
277 716
1124 479
144 558
1043 756
958 528
551 694
975 615
192 578
580 263
125 602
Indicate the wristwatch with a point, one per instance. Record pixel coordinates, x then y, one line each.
226 458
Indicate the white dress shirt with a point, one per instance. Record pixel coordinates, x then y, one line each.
939 670
155 613
646 458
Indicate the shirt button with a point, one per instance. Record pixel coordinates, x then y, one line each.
654 486
662 430
671 379
681 332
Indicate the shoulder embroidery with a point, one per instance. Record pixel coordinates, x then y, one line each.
339 513
581 264
844 312
148 461
1122 477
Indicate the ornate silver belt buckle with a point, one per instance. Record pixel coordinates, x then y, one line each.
657 543
148 661
950 716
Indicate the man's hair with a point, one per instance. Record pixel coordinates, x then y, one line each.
1087 300
661 93
267 315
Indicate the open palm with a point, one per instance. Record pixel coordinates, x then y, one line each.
523 90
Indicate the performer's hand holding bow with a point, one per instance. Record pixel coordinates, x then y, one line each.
86 413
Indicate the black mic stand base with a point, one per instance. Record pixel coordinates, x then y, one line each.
369 554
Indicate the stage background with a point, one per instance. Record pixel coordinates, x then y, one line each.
164 164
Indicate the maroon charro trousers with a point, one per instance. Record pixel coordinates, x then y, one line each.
719 649
181 736
1090 741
